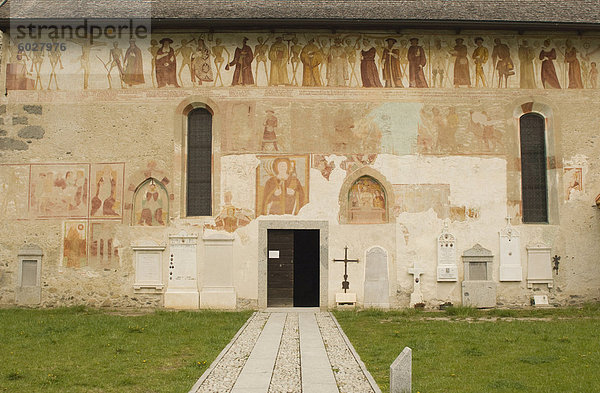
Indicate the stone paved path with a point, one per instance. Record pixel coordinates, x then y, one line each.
288 351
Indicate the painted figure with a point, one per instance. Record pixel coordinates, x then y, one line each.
114 61
368 68
526 57
392 72
84 59
283 193
74 245
462 75
351 56
575 81
439 63
217 51
134 67
278 54
153 52
337 64
106 193
152 207
166 64
269 135
242 60
416 62
260 55
186 58
593 75
311 57
548 74
294 59
480 57
502 62
37 59
201 69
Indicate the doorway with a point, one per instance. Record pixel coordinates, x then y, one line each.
293 277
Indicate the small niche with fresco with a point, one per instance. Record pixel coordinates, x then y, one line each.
151 204
367 202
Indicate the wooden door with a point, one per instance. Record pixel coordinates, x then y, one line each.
280 268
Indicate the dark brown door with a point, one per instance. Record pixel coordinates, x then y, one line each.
280 268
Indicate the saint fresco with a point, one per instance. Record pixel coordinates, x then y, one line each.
282 184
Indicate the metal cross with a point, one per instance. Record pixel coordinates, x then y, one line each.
345 283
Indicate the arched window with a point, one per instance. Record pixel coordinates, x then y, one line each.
199 163
534 194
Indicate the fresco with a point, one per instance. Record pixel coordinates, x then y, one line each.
367 202
282 184
107 191
230 218
573 181
75 244
58 190
103 246
14 184
320 163
419 198
151 204
374 60
452 130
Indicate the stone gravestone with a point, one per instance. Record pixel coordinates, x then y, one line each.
416 296
510 254
182 284
539 265
446 268
29 290
376 279
148 267
401 372
478 289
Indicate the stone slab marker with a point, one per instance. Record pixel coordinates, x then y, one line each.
376 279
401 372
182 285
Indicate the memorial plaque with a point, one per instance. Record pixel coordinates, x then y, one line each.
376 279
29 273
539 265
447 269
510 254
182 261
148 265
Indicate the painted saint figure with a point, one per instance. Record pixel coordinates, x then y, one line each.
152 207
283 193
439 61
134 71
502 62
392 72
526 57
368 68
242 60
201 69
337 64
548 74
575 81
462 76
166 64
311 57
153 52
278 54
416 62
480 57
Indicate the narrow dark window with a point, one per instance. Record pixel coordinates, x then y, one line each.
533 168
199 163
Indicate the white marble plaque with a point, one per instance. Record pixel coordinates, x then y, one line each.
447 269
539 265
183 262
510 254
148 265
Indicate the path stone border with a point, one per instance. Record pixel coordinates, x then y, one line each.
361 364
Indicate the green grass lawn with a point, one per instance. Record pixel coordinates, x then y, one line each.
83 350
466 350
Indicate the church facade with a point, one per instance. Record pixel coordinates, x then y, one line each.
184 167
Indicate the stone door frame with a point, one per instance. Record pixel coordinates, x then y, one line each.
322 226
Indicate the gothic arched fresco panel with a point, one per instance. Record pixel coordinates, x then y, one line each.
151 204
367 203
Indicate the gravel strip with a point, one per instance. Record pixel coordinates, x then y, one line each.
347 372
286 374
223 376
